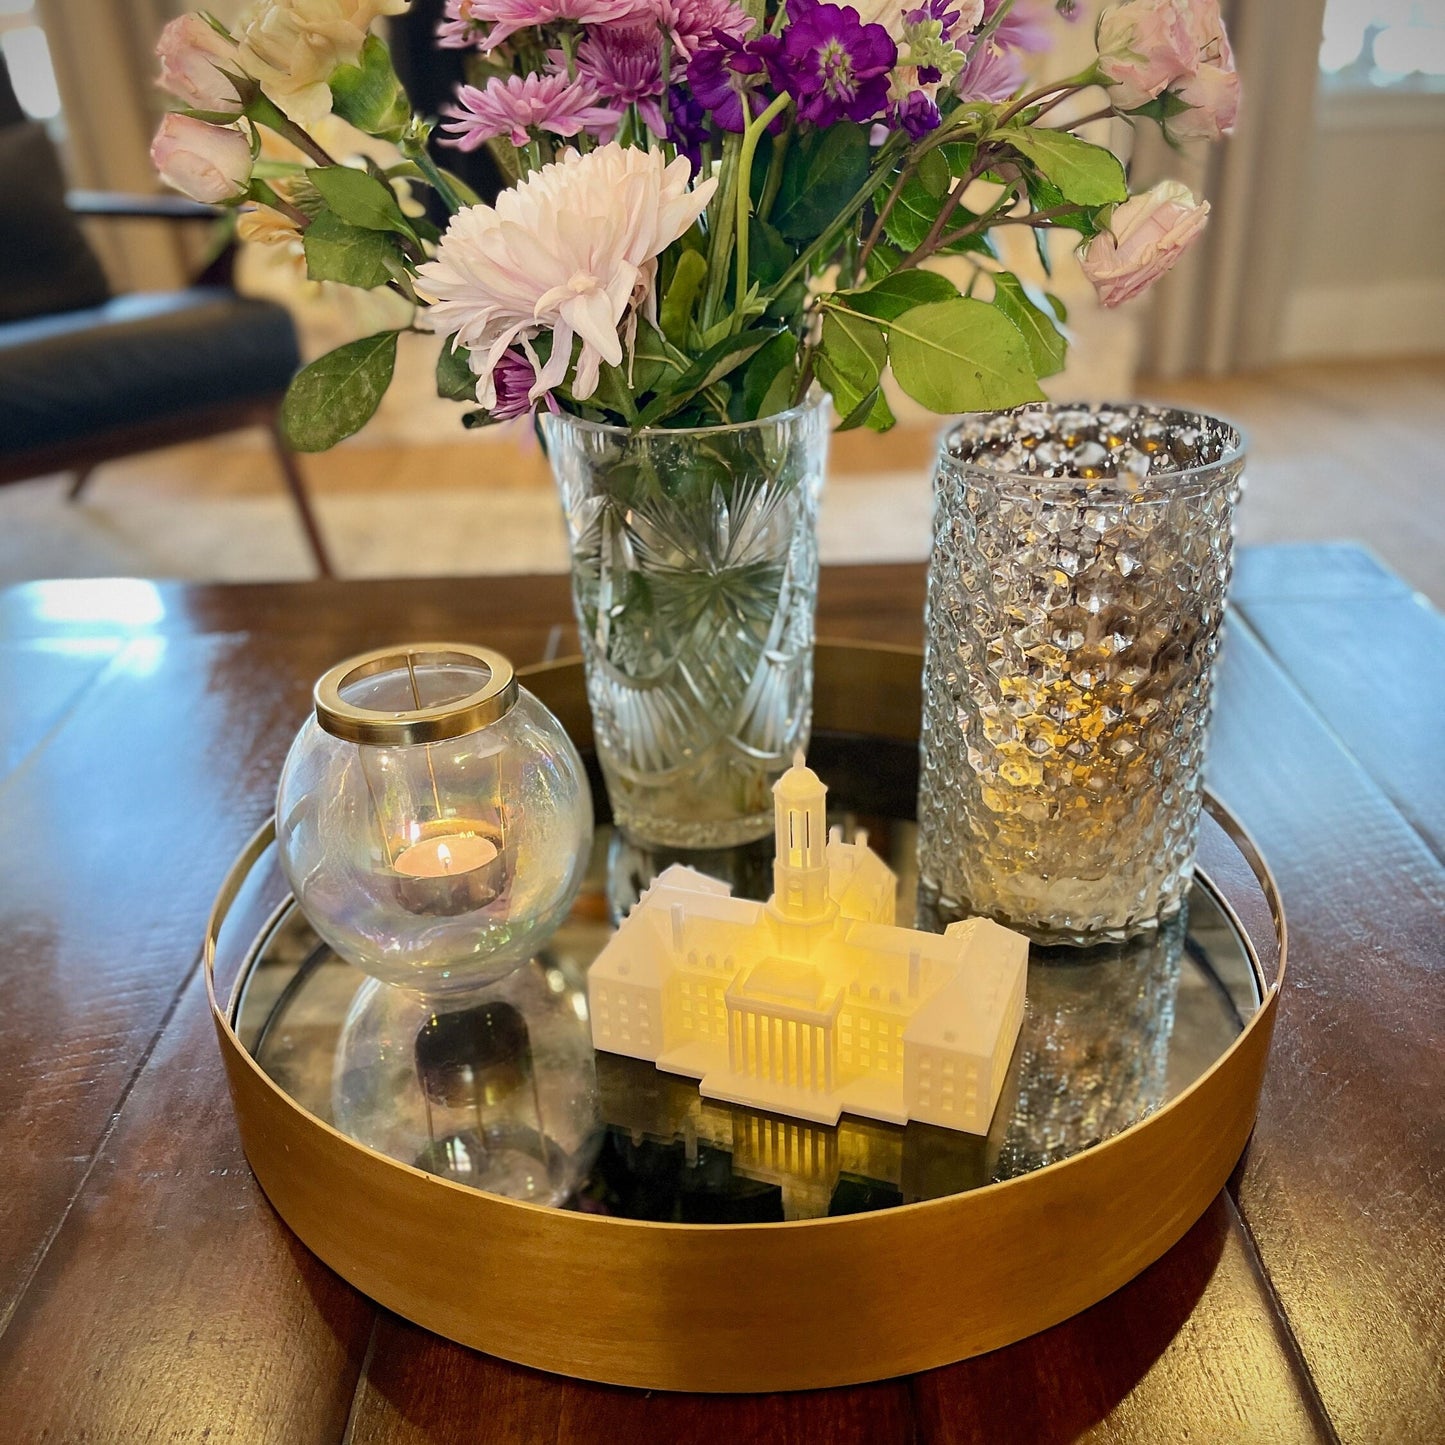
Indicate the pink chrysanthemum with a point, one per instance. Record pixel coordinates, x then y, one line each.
691 22
505 17
623 64
567 253
457 30
519 104
989 73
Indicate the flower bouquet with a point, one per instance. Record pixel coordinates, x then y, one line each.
717 215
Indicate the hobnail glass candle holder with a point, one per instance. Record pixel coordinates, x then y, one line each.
1081 558
433 818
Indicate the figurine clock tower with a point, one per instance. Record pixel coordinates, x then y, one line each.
800 902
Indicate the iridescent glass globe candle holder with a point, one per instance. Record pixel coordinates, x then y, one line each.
434 822
433 818
1081 558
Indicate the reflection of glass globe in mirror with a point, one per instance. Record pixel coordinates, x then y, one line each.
439 865
496 1089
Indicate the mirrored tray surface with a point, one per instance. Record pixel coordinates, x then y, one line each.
1109 1036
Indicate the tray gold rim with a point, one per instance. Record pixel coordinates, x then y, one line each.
797 1304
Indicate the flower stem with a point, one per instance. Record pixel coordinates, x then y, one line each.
439 183
266 113
876 233
1085 78
720 234
751 135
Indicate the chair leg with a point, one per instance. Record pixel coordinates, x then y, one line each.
78 481
296 485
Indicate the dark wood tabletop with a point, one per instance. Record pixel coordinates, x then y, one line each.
149 1293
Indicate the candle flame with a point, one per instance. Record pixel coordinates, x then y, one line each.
444 857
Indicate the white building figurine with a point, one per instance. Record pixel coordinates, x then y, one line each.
814 1003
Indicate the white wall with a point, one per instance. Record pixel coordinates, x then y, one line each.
1370 275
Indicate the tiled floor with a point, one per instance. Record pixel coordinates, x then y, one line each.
1337 452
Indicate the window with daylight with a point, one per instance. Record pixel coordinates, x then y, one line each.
1383 45
27 58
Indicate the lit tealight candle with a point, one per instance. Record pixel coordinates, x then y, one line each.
447 874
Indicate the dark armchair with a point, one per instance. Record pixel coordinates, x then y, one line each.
85 376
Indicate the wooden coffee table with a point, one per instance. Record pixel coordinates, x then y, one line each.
148 1292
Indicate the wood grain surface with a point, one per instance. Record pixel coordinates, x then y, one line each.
148 1292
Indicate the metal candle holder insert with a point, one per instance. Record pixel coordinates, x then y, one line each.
443 861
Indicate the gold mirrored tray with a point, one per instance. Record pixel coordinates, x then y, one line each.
684 1244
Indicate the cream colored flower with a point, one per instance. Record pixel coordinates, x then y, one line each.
266 226
293 47
567 252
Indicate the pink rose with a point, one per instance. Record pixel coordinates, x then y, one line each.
206 162
1147 234
1212 92
1144 47
190 52
1150 47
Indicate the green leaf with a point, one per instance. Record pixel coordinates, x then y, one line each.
1044 195
1085 174
961 355
338 393
873 412
914 213
1047 348
934 174
770 368
359 198
369 95
456 381
882 261
353 255
769 256
850 359
652 359
959 154
714 364
901 292
675 312
823 171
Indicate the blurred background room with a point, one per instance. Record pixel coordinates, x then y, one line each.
1313 313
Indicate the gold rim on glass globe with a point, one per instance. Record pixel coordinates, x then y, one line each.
382 727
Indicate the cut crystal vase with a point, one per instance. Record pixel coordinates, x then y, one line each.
1081 558
695 579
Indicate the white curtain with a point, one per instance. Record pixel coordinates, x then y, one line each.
103 51
1222 308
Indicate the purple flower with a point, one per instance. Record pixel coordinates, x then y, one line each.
623 64
917 114
688 127
520 104
832 64
989 73
514 377
722 73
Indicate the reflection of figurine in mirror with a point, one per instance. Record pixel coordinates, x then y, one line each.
632 866
1094 1050
671 1154
496 1090
815 1002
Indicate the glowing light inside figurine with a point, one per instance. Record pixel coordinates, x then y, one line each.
816 1002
